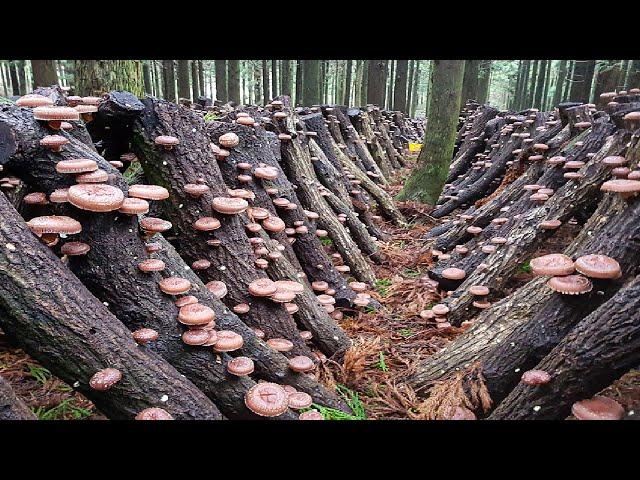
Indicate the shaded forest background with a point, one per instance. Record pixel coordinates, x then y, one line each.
394 84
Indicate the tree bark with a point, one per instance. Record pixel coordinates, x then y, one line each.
286 78
44 73
311 94
346 98
274 79
221 80
22 76
400 90
184 90
195 80
11 406
299 78
96 77
376 84
266 95
560 80
470 80
427 180
542 73
15 84
169 80
146 74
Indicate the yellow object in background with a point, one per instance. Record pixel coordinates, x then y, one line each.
415 147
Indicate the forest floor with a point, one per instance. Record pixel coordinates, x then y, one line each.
388 343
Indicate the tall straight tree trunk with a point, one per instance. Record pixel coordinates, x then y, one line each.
22 76
522 94
346 98
258 94
146 74
299 77
531 89
513 101
567 82
416 83
400 87
633 77
311 85
412 67
44 73
6 87
286 78
266 95
96 77
588 83
221 80
484 78
376 85
15 84
201 77
275 91
195 80
334 97
169 80
390 78
542 72
357 86
560 80
547 81
234 81
578 80
184 89
426 182
470 81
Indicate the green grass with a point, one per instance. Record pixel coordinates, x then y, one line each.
63 410
382 365
41 374
382 286
210 117
409 272
352 399
369 310
326 241
131 172
405 332
524 267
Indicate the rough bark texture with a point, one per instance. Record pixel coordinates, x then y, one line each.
11 406
96 77
169 80
68 330
44 73
221 80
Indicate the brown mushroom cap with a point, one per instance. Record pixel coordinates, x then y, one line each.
598 266
105 379
97 176
301 363
240 366
145 335
570 284
196 314
480 290
460 413
597 408
550 224
535 377
624 187
614 161
453 273
258 213
280 344
291 285
155 225
241 308
96 197
201 264
311 415
154 413
148 192
195 337
319 285
174 285
440 309
186 300
299 400
266 173
228 341
53 113
196 189
73 249
274 224
35 198
218 288
54 142
166 140
474 230
77 165
59 195
229 205
134 206
206 224
552 264
267 399
229 140
32 100
262 287
54 224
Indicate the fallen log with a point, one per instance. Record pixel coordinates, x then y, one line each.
13 407
56 320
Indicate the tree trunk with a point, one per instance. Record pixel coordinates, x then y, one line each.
346 98
427 180
15 84
22 76
195 80
184 87
542 73
274 79
400 90
146 74
266 95
311 86
470 80
201 79
96 77
484 81
221 80
531 84
299 78
560 80
376 86
169 80
74 335
286 78
633 77
44 73
578 81
607 81
416 83
233 80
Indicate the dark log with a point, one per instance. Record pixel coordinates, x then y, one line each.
598 350
13 407
56 320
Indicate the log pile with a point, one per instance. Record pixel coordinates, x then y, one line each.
518 181
186 254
